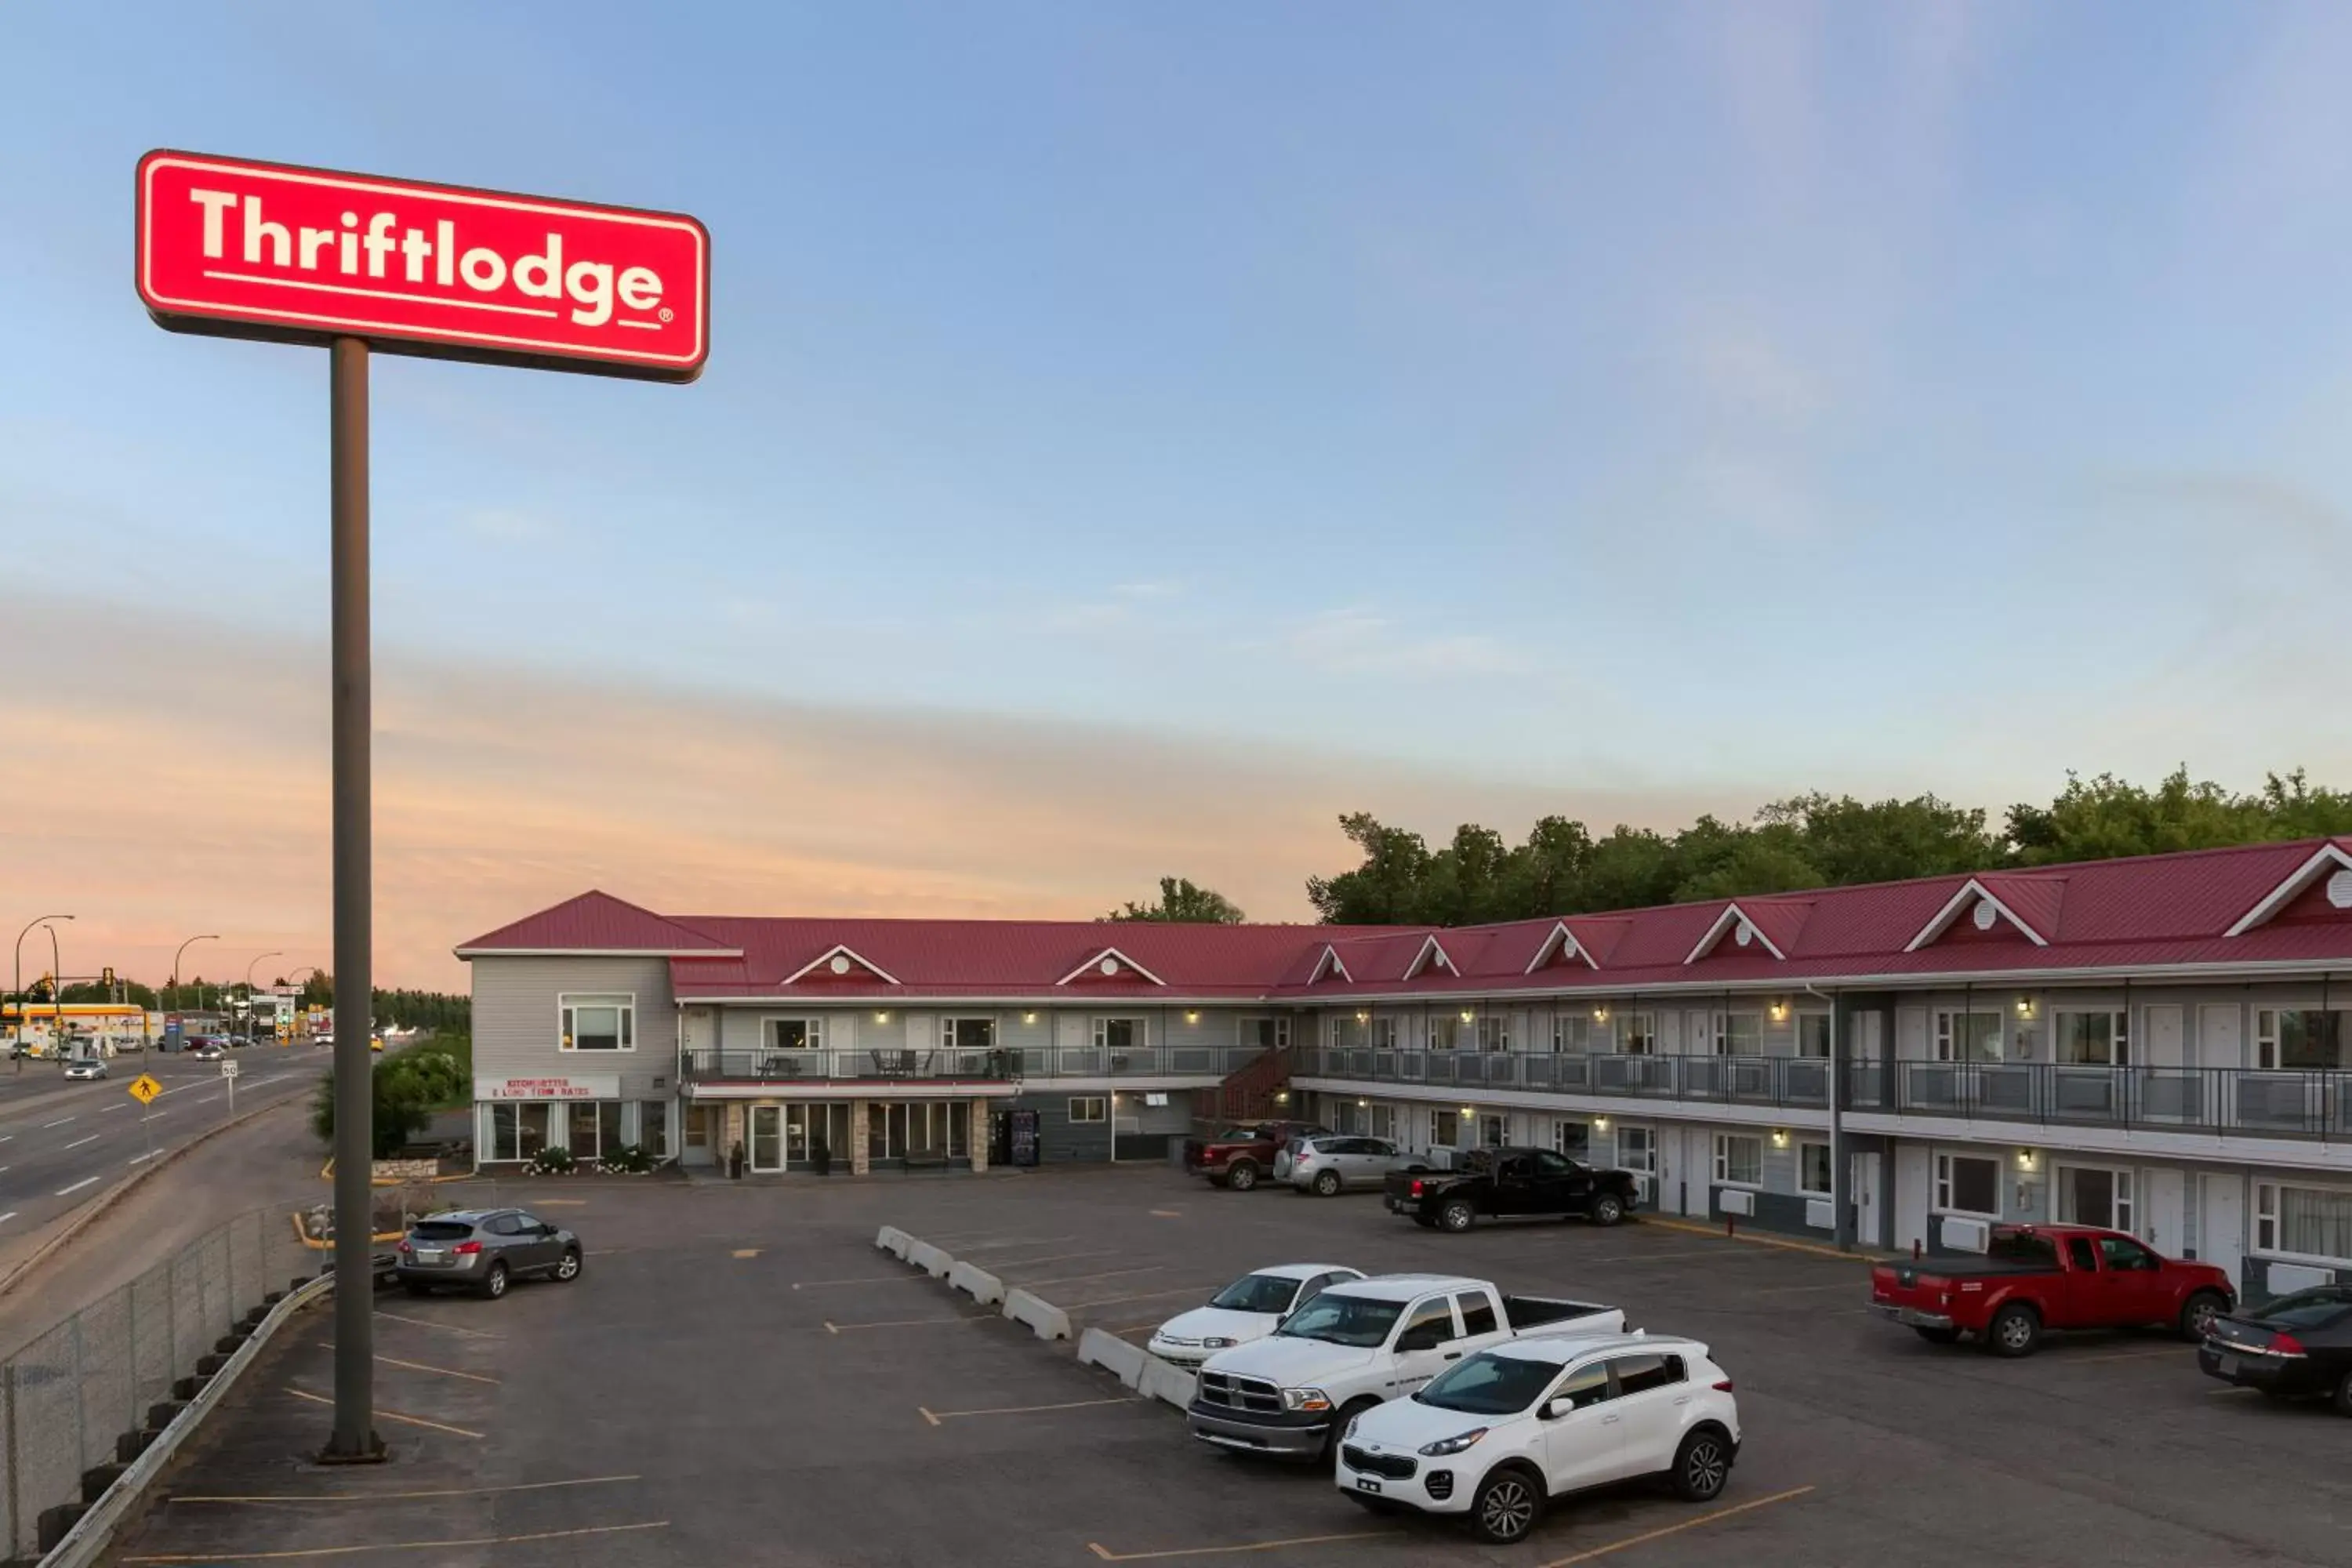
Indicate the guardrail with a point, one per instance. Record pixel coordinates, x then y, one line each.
81 1400
2315 1103
951 1065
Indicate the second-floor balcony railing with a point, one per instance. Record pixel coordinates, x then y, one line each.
960 1064
2302 1103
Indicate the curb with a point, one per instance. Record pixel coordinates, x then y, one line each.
114 1196
94 1532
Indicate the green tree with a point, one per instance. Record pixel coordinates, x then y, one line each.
1386 889
1181 903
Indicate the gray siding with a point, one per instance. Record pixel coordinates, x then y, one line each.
516 1032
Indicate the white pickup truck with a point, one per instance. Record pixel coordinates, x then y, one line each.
1359 1344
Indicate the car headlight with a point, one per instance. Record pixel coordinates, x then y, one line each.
1453 1445
1306 1399
1353 1422
1216 1343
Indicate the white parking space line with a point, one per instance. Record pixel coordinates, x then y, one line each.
121 1105
80 1142
86 1181
5 1218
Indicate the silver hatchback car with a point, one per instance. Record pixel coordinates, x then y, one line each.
483 1250
1331 1162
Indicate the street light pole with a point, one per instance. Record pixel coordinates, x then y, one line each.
182 953
273 953
21 935
56 991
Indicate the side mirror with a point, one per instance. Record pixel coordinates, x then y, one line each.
1555 1407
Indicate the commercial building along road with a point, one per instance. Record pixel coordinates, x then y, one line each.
2158 1045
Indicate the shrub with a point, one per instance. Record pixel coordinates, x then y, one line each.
632 1160
551 1163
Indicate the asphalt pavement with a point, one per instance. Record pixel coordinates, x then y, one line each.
65 1144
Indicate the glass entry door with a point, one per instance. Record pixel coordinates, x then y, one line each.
767 1147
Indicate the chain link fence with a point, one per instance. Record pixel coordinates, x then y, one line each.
69 1396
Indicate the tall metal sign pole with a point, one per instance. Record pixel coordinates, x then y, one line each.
360 264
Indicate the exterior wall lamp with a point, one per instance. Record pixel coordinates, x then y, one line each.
1191 1017
2026 1159
1465 1113
2025 1006
1468 1016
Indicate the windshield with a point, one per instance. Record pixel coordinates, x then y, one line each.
1343 1320
1236 1135
2306 1309
1489 1384
1256 1293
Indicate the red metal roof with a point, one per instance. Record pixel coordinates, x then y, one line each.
2147 914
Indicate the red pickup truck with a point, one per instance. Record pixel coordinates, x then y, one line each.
2038 1278
1240 1156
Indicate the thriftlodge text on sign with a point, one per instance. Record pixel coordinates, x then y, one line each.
238 248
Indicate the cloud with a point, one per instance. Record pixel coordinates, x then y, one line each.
509 526
1359 641
499 791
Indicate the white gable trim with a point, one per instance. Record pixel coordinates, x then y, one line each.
2327 857
840 950
1971 893
1561 939
1109 952
1431 948
1731 917
1327 963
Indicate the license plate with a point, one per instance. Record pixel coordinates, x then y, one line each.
2230 1366
428 1255
1363 1485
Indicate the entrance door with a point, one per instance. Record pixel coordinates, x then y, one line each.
2219 1044
767 1149
1864 1183
2164 1025
2166 1226
2222 1222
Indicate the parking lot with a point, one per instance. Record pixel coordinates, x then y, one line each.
739 1376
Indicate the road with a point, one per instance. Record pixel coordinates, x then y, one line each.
63 1145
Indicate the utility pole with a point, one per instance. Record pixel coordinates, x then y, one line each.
19 1041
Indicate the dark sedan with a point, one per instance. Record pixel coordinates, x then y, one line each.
2298 1347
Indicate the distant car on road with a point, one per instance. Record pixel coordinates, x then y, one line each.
1327 1163
85 1069
483 1250
206 1051
1245 1310
2299 1346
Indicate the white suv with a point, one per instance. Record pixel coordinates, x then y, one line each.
1523 1423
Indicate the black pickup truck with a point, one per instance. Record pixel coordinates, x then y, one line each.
1512 1184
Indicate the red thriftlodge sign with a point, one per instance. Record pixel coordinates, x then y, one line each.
235 248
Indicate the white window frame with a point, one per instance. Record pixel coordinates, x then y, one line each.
625 1001
1246 1028
1720 1027
1382 1122
1560 1126
947 1031
2118 1037
2266 1223
1940 1198
1641 1027
1087 1109
812 1026
1102 1032
1571 1034
1828 1024
1491 1032
1829 1159
1947 1038
1441 1128
1494 1131
2267 1035
2125 1217
1383 1037
1723 1176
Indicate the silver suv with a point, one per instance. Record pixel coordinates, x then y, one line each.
1329 1163
483 1250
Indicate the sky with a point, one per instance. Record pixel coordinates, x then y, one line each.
1136 434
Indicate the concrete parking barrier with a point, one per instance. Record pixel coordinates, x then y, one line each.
930 1259
1172 1385
1047 1321
890 1238
1100 1347
976 1282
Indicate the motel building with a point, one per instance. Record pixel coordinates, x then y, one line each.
2157 1045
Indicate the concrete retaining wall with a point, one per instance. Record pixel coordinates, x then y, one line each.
978 1283
1170 1384
1100 1347
891 1239
1047 1321
930 1259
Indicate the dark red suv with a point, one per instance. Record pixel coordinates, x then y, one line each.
1242 1155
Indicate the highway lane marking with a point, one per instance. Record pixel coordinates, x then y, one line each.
411 1496
936 1416
833 1327
1107 1555
60 1121
444 1328
444 1372
383 1415
5 1218
1677 1529
142 1158
80 1142
77 1186
399 1545
123 1105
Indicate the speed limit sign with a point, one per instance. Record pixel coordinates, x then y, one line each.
228 1069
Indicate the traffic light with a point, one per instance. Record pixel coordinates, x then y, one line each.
106 975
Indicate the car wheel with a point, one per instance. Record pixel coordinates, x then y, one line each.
2015 1331
1509 1502
494 1284
1702 1465
568 1267
2197 1313
1327 1184
1608 1210
1243 1176
1457 1216
1936 1336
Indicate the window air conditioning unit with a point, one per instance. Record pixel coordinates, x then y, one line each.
1820 1214
1735 1200
1967 1235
